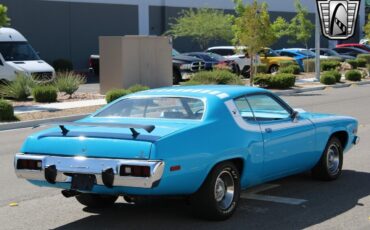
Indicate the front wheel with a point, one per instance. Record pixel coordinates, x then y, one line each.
330 165
96 200
218 197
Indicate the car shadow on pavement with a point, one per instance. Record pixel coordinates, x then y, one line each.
325 200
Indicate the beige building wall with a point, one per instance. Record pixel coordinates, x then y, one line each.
129 60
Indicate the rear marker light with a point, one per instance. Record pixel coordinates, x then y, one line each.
175 168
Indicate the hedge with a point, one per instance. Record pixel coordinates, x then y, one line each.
45 94
328 78
292 69
278 81
283 64
216 77
353 75
353 63
364 56
361 62
327 65
6 111
115 94
261 68
137 88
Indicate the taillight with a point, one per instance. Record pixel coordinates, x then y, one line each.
90 62
29 164
135 171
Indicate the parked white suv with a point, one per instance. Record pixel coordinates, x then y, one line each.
236 54
18 56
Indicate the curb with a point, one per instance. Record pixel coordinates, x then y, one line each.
293 91
27 124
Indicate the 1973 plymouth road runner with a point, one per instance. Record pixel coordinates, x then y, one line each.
206 143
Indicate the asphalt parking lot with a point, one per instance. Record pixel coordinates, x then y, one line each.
292 203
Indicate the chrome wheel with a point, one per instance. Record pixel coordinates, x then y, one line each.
333 159
274 69
224 189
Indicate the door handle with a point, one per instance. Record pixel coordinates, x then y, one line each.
268 130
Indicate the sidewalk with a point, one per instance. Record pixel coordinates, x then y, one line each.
57 106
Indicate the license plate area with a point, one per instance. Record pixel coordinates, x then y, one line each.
83 182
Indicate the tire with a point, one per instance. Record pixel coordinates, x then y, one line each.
246 71
177 78
96 200
218 197
330 165
274 69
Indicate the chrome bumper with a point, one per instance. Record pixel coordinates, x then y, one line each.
64 166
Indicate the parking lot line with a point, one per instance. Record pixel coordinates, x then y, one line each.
275 199
252 195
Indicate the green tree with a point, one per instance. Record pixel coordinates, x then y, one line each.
203 25
300 27
367 27
4 20
253 29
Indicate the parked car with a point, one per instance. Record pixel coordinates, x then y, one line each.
183 66
206 143
332 54
364 41
271 59
18 57
298 54
213 60
355 45
237 54
350 51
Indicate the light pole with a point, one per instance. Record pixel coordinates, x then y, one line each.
317 45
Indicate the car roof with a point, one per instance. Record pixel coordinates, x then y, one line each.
223 92
11 35
226 47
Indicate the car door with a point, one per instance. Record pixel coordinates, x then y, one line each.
288 143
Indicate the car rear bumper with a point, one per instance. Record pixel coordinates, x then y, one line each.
54 169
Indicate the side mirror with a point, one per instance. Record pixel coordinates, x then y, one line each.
294 116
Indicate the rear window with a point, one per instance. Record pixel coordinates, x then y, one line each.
156 107
223 52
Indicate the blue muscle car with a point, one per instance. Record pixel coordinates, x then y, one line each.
206 143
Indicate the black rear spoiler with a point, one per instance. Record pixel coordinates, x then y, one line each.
132 127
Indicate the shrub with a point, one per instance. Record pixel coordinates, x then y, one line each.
45 93
218 77
328 78
6 111
292 69
19 89
283 64
261 68
62 65
337 75
68 82
361 62
137 88
327 65
309 65
353 63
353 75
115 94
364 56
278 81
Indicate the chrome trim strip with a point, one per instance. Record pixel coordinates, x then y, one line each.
95 166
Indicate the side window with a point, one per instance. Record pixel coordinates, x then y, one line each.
244 108
223 52
287 54
266 108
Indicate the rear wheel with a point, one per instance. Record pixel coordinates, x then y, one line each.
177 78
96 200
218 197
330 165
273 68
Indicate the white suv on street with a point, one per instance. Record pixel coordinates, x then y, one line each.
237 54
